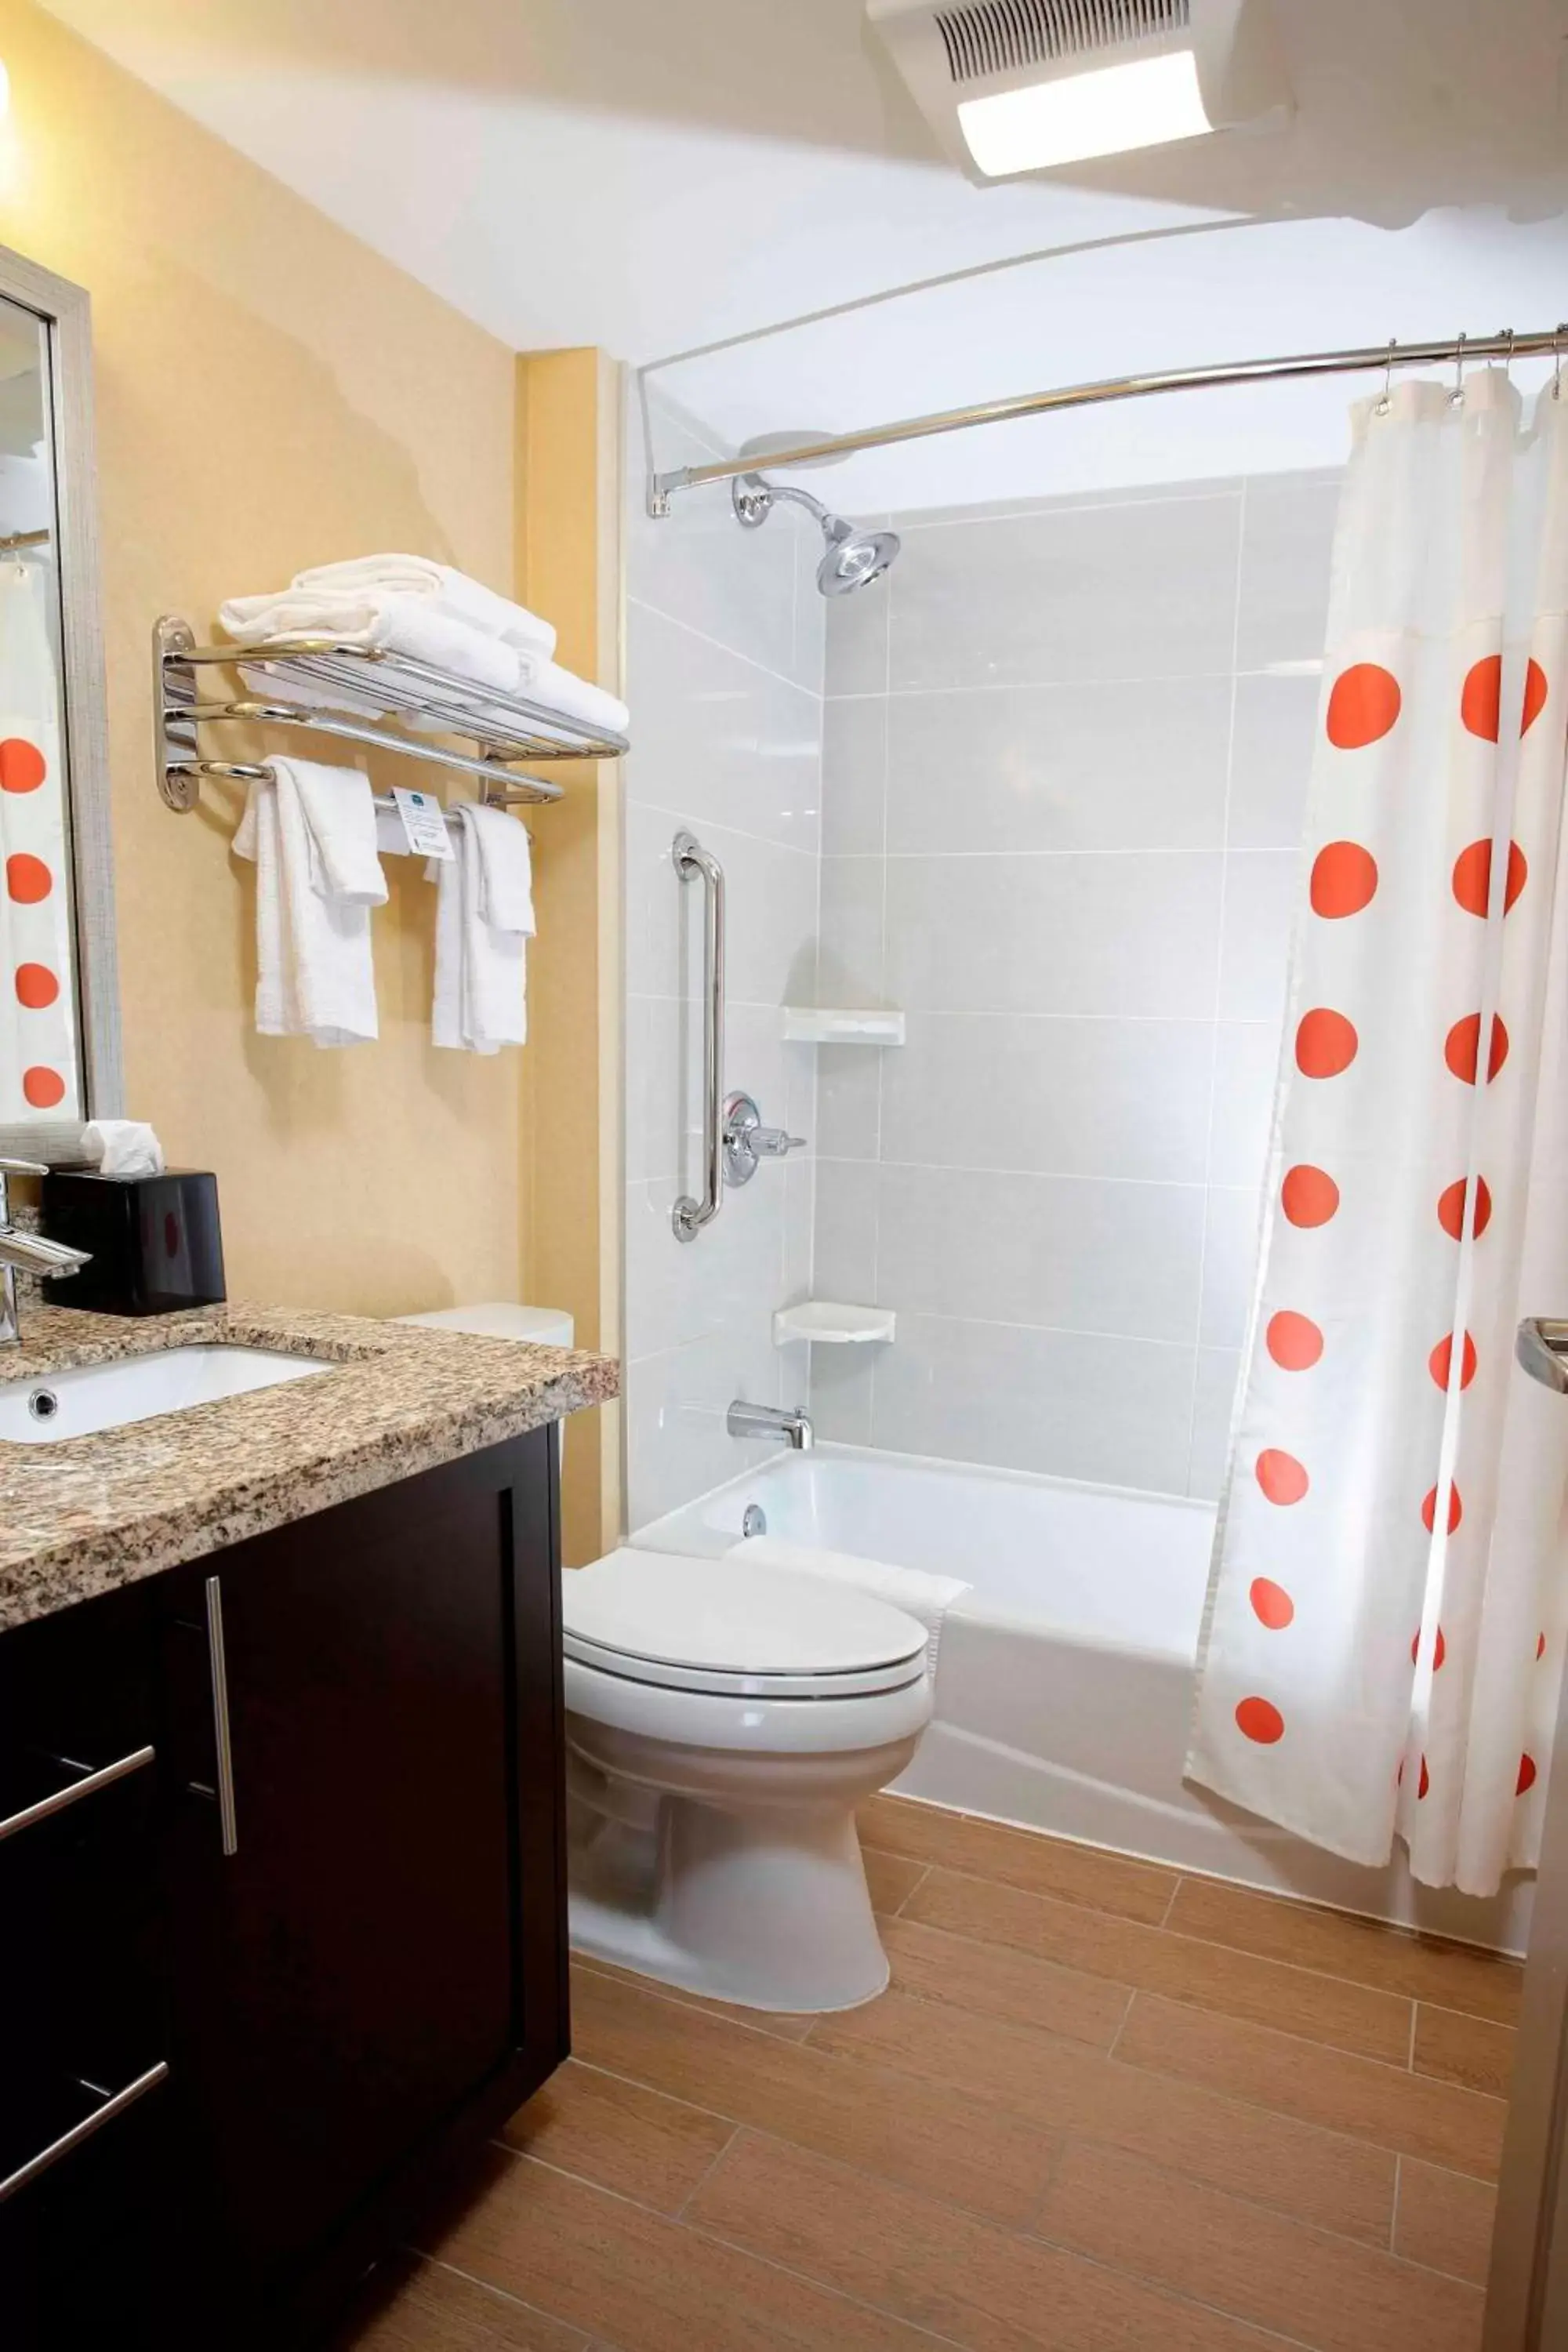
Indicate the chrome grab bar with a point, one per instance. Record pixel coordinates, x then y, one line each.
688 1216
225 1746
115 2104
1541 1346
74 1792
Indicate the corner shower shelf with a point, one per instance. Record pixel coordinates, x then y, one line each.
822 1320
330 689
810 1025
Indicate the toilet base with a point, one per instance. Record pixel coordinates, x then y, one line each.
765 1906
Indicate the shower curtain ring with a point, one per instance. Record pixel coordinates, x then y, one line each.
1456 398
1508 355
1386 400
1557 359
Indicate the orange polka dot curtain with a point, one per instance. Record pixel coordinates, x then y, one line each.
1387 1609
37 1052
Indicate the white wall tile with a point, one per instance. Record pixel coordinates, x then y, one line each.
848 1095
1218 1370
1132 935
849 959
1230 1261
1271 760
1066 1096
855 773
842 1381
741 747
1109 591
1286 560
1246 1069
845 1256
1261 891
854 659
1137 764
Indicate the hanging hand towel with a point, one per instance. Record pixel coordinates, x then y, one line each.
441 589
311 832
484 919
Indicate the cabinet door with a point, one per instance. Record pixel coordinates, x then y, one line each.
383 1947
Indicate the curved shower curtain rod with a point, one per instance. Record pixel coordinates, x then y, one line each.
1387 356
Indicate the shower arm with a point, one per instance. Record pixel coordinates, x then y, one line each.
754 495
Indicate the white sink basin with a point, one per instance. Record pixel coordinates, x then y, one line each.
137 1388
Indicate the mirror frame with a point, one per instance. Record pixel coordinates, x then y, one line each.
64 313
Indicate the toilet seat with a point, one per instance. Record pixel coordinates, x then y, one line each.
730 1629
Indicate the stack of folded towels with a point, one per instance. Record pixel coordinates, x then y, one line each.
409 605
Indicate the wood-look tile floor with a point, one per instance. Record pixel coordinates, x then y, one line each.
1100 2105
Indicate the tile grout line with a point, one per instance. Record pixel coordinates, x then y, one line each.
1394 2209
709 2169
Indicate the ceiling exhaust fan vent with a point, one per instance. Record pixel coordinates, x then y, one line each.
1002 36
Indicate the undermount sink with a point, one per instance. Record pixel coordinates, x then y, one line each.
137 1388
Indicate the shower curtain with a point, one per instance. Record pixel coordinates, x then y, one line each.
1384 1632
37 1053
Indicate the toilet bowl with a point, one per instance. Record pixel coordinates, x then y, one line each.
724 1721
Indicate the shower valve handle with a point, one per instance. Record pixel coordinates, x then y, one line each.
747 1141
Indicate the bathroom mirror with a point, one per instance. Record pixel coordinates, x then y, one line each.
60 1060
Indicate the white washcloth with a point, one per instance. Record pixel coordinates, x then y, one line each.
122 1147
370 618
442 589
918 1592
484 919
311 832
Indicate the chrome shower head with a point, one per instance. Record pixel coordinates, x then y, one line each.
852 556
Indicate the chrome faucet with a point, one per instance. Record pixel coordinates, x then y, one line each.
771 1421
26 1253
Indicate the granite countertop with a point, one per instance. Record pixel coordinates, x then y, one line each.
87 1514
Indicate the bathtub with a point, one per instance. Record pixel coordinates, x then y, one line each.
1065 1678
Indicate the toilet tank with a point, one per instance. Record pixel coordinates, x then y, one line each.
500 1319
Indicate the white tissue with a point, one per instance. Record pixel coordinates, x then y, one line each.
122 1147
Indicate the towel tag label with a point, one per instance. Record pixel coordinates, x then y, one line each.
424 823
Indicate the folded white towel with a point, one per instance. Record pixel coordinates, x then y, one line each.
564 690
311 832
484 919
918 1592
371 618
442 589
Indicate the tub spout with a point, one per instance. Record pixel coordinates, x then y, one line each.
770 1421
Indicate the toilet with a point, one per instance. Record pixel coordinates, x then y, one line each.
724 1721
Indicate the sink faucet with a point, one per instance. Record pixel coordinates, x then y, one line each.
26 1253
768 1421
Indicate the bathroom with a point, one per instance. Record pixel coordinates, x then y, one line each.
766 1605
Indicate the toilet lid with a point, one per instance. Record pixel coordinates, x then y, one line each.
727 1625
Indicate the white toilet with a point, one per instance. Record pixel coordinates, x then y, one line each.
722 1723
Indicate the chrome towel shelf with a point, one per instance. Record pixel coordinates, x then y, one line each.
321 684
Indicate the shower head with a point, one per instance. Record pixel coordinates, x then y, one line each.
851 558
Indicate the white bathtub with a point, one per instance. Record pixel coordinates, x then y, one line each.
1065 1674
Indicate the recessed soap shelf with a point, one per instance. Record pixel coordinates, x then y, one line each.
824 1320
810 1025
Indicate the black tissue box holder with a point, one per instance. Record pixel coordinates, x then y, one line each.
155 1243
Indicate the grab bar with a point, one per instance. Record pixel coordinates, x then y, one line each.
688 1216
1541 1345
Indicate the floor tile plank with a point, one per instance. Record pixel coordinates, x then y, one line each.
784 2023
997 1981
1328 2292
419 2307
1455 1975
1444 2220
1459 2049
891 1878
1409 2113
970 2282
877 2118
1075 1873
1064 2088
1212 1976
618 2135
633 2279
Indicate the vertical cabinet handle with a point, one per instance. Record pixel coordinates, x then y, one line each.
693 862
220 1718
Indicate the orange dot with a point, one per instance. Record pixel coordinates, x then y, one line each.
1526 1775
35 986
1309 1196
1429 1510
43 1088
1344 879
1440 1653
1451 1209
27 878
1293 1341
1425 1780
1480 698
1362 706
1281 1476
1440 1362
1325 1043
22 768
1260 1719
1534 696
1272 1604
1541 1646
1461 1048
1473 877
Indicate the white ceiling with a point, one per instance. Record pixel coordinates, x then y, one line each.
657 174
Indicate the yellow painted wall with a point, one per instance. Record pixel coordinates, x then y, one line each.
271 393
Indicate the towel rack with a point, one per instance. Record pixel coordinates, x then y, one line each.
505 727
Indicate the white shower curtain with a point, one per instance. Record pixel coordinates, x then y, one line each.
1385 1632
37 1052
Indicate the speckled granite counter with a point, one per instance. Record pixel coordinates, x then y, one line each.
87 1514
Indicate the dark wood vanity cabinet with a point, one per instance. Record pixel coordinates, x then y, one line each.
356 1944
